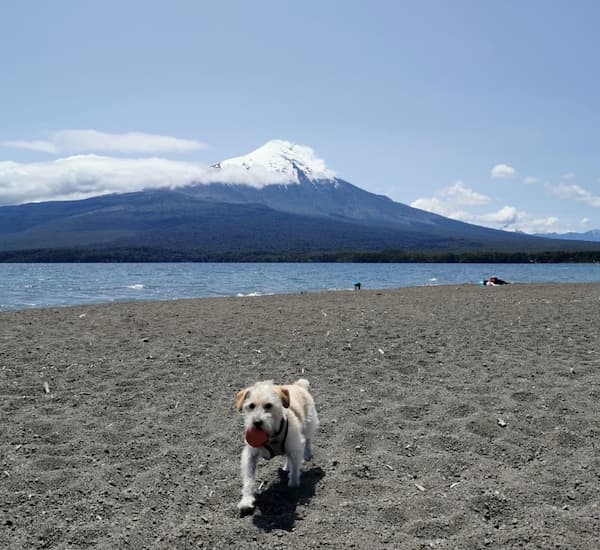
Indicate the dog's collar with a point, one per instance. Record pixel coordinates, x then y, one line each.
276 443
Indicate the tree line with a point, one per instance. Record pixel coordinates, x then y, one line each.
151 254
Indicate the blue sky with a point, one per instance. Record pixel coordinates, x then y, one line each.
479 110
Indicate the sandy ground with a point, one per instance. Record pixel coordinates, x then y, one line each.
451 417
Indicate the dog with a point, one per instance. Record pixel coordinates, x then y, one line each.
288 416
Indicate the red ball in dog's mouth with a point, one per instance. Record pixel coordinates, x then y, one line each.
256 437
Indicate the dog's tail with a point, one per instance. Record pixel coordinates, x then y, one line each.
303 383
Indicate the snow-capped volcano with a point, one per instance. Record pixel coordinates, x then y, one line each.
279 161
291 178
280 199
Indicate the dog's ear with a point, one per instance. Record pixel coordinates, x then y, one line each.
240 398
284 394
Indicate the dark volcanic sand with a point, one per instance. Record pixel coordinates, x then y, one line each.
451 417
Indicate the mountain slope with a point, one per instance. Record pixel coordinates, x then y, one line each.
174 220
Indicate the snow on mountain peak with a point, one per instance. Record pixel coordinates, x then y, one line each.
279 161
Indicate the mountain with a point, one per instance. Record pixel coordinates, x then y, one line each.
280 201
300 183
593 236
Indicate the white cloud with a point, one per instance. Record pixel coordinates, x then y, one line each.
505 217
551 224
575 192
568 176
462 195
585 221
448 201
530 180
510 218
503 171
430 204
89 141
438 206
83 176
36 145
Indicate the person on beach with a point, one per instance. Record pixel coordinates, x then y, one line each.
356 284
494 281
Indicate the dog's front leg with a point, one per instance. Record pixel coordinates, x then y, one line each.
248 467
292 465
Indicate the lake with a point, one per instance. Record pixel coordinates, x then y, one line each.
52 285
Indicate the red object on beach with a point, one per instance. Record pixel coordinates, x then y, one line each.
256 437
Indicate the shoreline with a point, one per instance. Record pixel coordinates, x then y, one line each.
454 416
258 295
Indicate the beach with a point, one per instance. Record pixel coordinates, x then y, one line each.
451 417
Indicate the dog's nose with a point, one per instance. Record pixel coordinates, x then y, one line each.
258 423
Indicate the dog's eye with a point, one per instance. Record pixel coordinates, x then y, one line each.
251 406
268 406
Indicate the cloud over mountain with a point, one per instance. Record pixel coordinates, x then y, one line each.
84 176
81 176
450 201
453 200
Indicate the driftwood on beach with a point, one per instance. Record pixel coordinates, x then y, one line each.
451 417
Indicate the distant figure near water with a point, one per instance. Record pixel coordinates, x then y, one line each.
494 281
357 285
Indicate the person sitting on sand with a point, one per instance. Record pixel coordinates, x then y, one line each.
494 281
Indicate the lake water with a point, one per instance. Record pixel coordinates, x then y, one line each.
50 285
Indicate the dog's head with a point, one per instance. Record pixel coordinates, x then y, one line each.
262 406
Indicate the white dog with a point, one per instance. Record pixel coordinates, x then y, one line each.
288 416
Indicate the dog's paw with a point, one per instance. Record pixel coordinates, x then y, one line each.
308 452
246 505
293 481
